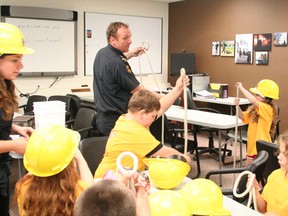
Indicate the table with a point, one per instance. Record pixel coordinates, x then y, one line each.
223 101
236 209
206 119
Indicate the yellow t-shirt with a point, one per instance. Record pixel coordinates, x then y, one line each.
258 130
23 190
127 135
275 192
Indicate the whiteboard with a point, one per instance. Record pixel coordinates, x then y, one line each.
54 45
143 29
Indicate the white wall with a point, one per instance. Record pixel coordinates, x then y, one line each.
127 7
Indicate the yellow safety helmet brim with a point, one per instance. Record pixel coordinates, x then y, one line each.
12 40
50 150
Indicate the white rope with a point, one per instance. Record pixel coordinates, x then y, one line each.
183 72
249 189
146 46
236 129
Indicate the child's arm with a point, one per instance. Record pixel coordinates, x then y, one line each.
142 202
247 94
85 173
240 112
261 203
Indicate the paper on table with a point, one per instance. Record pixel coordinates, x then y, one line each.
204 94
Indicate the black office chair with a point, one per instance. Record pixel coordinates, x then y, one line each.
256 167
93 149
198 129
272 163
84 122
28 107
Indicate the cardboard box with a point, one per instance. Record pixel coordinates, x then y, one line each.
220 90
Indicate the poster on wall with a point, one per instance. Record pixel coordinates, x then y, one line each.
261 57
244 48
280 39
216 48
262 42
227 48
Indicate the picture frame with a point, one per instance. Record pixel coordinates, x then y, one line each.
227 48
261 57
280 39
262 42
215 48
244 48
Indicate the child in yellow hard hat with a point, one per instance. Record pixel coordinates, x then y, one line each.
53 183
261 115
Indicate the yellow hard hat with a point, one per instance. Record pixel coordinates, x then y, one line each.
11 40
266 88
166 173
168 203
204 197
50 150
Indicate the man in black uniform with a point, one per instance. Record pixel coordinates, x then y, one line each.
114 82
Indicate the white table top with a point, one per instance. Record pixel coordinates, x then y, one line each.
202 118
234 207
224 101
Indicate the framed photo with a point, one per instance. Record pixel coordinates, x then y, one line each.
215 48
227 48
280 39
261 58
244 48
262 42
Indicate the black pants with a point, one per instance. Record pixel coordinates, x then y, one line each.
4 188
105 122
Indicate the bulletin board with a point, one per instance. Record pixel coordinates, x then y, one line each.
143 29
52 39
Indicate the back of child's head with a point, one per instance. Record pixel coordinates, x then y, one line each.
283 138
144 100
106 198
50 150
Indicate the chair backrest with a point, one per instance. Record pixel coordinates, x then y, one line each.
33 98
85 121
93 149
190 102
75 104
255 167
272 163
156 129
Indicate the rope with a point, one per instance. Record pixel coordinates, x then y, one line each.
249 189
183 72
236 129
146 46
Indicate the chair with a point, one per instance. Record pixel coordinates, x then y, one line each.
198 129
66 100
84 122
272 163
93 149
173 137
255 167
28 107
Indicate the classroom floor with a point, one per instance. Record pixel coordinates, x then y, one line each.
207 162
